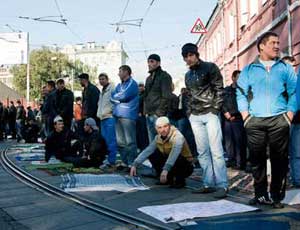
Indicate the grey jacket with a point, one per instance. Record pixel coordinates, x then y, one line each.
105 107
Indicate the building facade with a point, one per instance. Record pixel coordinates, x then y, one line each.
234 26
107 58
6 77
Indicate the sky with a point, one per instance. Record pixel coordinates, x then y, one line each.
165 28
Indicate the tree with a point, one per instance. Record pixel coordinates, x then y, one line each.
44 65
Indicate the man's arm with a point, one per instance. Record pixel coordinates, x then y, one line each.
145 153
128 93
217 83
291 90
165 93
242 93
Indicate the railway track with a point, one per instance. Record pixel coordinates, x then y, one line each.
37 183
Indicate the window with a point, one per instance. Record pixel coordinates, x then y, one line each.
231 28
244 12
220 43
253 7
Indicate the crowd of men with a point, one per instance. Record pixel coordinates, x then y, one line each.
257 115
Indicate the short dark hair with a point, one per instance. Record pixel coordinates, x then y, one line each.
78 99
235 73
264 38
126 68
60 81
84 76
103 75
288 58
51 83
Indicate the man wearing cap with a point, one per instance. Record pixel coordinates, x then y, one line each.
64 102
59 142
267 117
158 89
105 114
169 155
90 96
205 84
125 99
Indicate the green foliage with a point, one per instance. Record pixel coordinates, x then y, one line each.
46 65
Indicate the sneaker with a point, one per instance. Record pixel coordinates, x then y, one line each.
220 193
263 200
107 167
122 167
277 205
204 189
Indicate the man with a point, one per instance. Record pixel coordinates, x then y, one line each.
30 113
205 84
125 98
20 120
234 132
59 142
78 116
141 125
173 112
95 147
49 111
107 121
267 117
31 131
64 102
12 115
169 154
90 96
158 89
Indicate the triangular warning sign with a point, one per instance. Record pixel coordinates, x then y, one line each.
198 28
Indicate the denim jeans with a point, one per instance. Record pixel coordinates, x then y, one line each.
295 154
108 132
208 137
151 119
126 139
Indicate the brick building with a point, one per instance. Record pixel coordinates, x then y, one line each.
234 26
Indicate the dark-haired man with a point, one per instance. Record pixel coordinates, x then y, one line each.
267 117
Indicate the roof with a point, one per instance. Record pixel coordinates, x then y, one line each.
6 92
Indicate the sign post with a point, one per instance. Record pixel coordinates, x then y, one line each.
198 27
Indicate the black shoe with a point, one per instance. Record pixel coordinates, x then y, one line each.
220 193
230 164
277 205
248 168
263 200
204 190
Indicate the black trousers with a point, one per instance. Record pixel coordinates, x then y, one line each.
180 170
141 133
235 141
275 132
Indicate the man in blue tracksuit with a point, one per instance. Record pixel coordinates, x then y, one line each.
267 115
125 99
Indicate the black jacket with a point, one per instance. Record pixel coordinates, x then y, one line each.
95 146
49 106
21 114
90 97
64 103
205 84
230 103
158 90
173 111
12 113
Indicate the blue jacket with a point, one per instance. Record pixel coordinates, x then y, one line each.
266 94
298 89
125 99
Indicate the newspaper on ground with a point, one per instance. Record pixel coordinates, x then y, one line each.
174 212
104 182
292 197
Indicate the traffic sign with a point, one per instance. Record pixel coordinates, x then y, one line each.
198 27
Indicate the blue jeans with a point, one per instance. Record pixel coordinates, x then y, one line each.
151 119
295 154
208 137
126 139
108 131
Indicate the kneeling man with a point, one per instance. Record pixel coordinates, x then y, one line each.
169 155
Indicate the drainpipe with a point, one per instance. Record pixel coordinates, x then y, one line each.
289 21
223 38
236 35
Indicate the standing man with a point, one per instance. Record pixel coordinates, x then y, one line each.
125 98
49 107
64 102
107 121
12 115
205 84
234 132
267 117
20 120
90 96
158 89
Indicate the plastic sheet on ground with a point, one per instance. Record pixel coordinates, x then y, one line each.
292 197
184 211
105 182
30 157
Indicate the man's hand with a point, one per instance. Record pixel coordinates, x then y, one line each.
290 115
245 114
227 115
163 176
133 171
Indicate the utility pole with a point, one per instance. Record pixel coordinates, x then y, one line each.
28 72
